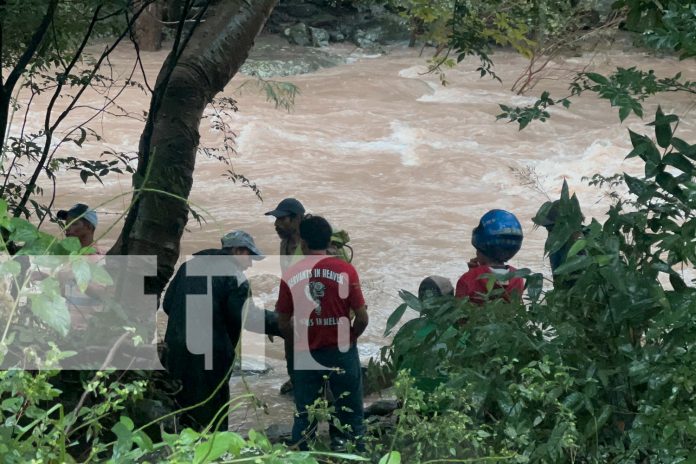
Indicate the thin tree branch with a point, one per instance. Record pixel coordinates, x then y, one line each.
48 129
51 128
33 45
21 136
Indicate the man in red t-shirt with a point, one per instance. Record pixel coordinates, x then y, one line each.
317 298
497 238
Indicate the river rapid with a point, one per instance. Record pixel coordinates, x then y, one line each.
404 164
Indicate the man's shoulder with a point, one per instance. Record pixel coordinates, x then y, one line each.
337 264
476 271
209 252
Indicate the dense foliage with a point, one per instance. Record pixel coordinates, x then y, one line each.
602 368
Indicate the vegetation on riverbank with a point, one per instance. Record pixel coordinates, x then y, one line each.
598 369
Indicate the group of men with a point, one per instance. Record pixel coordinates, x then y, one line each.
320 313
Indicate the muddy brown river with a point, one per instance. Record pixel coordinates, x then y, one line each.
404 164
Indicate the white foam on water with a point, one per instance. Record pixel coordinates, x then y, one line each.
245 138
405 141
602 156
357 56
414 72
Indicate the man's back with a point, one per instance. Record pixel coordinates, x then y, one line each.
474 285
228 298
320 292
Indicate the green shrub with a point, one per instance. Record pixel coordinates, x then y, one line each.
601 368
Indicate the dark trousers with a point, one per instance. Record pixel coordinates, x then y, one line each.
344 377
198 384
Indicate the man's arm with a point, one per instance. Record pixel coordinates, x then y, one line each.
360 322
261 321
285 325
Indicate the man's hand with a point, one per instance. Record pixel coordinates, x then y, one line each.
360 322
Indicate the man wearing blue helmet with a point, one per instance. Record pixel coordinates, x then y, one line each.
497 238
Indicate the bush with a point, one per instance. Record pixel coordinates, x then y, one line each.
600 369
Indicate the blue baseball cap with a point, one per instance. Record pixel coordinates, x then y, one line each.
239 238
79 210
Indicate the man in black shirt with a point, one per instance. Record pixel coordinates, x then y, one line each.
195 334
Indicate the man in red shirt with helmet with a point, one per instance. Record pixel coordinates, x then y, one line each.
322 310
497 238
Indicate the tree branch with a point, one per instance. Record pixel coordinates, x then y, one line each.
33 45
49 129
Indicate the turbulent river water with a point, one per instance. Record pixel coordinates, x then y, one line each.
404 164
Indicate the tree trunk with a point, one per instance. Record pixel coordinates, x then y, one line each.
219 46
148 27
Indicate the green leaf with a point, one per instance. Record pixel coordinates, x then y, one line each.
51 307
652 159
10 267
143 441
219 443
100 275
170 439
637 139
394 318
624 112
663 129
638 151
635 185
577 247
677 283
668 182
598 78
22 231
127 422
684 148
12 405
82 273
411 300
71 244
593 426
574 263
425 331
392 457
124 437
83 136
680 162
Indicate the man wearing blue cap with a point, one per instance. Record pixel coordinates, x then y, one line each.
81 222
230 293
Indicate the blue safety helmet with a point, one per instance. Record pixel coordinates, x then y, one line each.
498 235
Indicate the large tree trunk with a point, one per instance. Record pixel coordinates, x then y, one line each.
168 145
148 27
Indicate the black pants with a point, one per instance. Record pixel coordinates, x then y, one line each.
345 379
197 384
